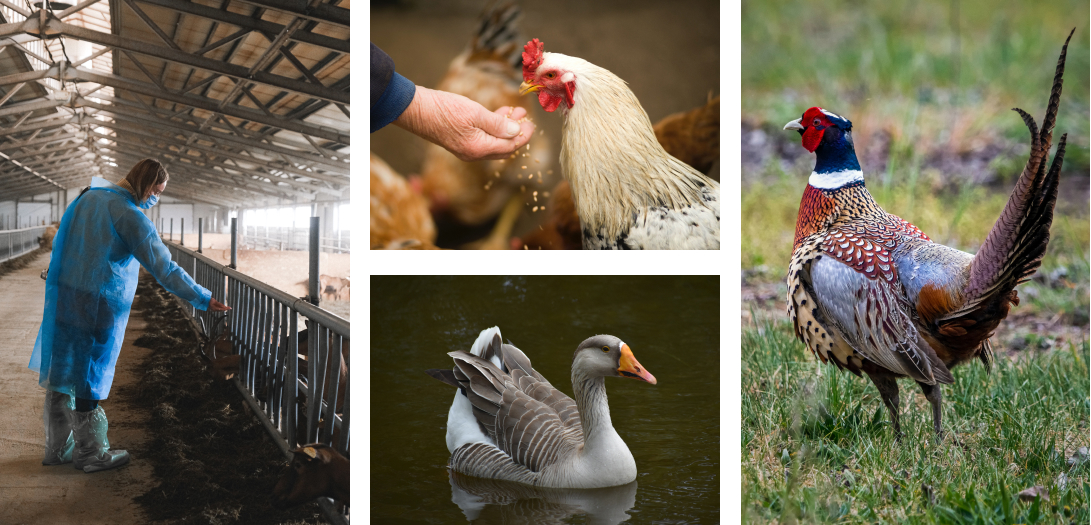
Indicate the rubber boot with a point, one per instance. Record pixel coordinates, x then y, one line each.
58 428
92 452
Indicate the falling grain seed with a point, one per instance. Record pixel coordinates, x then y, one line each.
497 174
523 189
535 195
545 194
538 161
549 172
524 167
534 209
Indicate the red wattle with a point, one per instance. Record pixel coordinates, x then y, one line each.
811 138
569 87
548 102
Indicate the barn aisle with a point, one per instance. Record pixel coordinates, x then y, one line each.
32 493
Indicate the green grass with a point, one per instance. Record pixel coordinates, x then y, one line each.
908 67
817 446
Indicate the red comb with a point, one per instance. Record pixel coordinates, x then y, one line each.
532 57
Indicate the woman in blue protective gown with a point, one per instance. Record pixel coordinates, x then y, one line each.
102 242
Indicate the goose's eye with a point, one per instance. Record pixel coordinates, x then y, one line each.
606 349
817 122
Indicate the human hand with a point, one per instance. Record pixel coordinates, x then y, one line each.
217 306
464 127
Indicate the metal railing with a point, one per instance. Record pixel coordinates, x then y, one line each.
264 322
14 243
286 238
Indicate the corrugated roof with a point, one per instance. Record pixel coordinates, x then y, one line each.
245 101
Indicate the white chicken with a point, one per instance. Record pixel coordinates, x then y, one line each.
629 192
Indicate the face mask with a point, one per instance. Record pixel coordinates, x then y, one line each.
151 201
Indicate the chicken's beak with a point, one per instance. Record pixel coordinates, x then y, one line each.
628 366
528 87
794 124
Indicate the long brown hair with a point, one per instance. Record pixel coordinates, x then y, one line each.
147 173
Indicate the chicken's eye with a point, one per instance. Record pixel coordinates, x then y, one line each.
606 349
550 75
817 122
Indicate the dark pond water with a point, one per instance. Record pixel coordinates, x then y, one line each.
672 428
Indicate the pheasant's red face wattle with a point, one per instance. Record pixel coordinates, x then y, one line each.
815 122
812 137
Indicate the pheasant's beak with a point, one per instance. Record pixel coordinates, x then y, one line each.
528 87
795 124
630 367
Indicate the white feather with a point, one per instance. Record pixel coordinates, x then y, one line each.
619 173
834 180
462 426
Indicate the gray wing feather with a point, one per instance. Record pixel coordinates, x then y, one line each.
530 421
874 318
515 359
483 460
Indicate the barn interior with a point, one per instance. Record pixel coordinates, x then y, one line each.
245 102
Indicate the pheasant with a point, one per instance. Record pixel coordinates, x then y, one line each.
871 293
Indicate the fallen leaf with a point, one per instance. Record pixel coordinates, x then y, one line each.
1031 493
1078 457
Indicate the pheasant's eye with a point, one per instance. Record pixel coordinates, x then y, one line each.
606 349
817 122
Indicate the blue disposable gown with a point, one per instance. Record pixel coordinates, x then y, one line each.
102 241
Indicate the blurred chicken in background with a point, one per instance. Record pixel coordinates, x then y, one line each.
693 136
399 213
488 72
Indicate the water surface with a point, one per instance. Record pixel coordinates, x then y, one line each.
672 428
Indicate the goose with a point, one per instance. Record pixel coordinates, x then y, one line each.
507 422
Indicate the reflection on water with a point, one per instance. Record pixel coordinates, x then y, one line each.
672 428
492 501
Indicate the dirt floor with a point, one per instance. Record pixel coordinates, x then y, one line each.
667 52
212 460
198 455
285 270
944 167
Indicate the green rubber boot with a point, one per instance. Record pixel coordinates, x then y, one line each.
92 452
58 428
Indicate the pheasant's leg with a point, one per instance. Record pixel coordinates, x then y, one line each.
934 395
888 388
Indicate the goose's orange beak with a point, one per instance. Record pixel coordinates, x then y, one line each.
630 367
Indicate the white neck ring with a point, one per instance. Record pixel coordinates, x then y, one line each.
836 179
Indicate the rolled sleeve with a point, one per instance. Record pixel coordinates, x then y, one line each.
391 93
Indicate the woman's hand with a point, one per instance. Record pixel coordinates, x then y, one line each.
217 306
465 127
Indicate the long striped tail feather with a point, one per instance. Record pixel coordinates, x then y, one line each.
1014 247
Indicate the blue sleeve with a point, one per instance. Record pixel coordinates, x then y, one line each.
391 93
139 233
